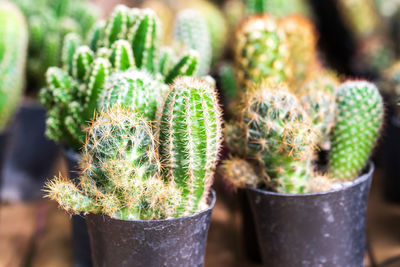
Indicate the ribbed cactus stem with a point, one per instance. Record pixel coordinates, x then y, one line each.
189 139
13 48
359 116
192 32
276 7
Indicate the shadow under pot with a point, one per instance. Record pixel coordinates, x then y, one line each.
80 235
315 229
171 242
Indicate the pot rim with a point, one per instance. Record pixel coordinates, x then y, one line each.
362 178
212 196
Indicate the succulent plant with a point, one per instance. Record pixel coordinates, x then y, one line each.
261 51
13 48
49 21
128 173
191 31
120 63
189 139
302 40
276 7
359 116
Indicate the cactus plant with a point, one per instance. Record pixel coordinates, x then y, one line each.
120 63
191 31
128 173
13 49
261 51
189 136
49 21
359 117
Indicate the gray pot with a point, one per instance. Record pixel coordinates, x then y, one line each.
319 229
80 236
172 242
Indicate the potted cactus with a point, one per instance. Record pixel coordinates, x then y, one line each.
128 40
13 43
145 186
309 210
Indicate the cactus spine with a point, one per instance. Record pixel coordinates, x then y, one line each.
13 48
359 117
189 139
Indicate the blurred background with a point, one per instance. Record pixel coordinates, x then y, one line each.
357 39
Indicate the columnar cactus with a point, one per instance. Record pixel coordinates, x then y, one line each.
261 51
191 31
13 48
189 139
124 49
49 21
358 119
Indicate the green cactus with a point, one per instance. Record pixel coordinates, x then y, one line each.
119 172
358 121
191 32
124 49
49 21
189 139
276 7
129 174
261 51
13 48
279 136
240 173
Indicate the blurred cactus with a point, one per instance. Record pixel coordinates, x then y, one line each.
13 48
123 174
318 100
165 14
360 16
49 21
358 120
189 139
261 51
191 31
124 49
302 40
276 7
240 172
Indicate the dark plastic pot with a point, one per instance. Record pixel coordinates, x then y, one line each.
172 242
320 229
3 147
80 235
392 160
30 157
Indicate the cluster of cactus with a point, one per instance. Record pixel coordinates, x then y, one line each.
13 50
133 169
122 61
284 117
49 21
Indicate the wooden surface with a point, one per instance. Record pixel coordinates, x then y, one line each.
38 234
